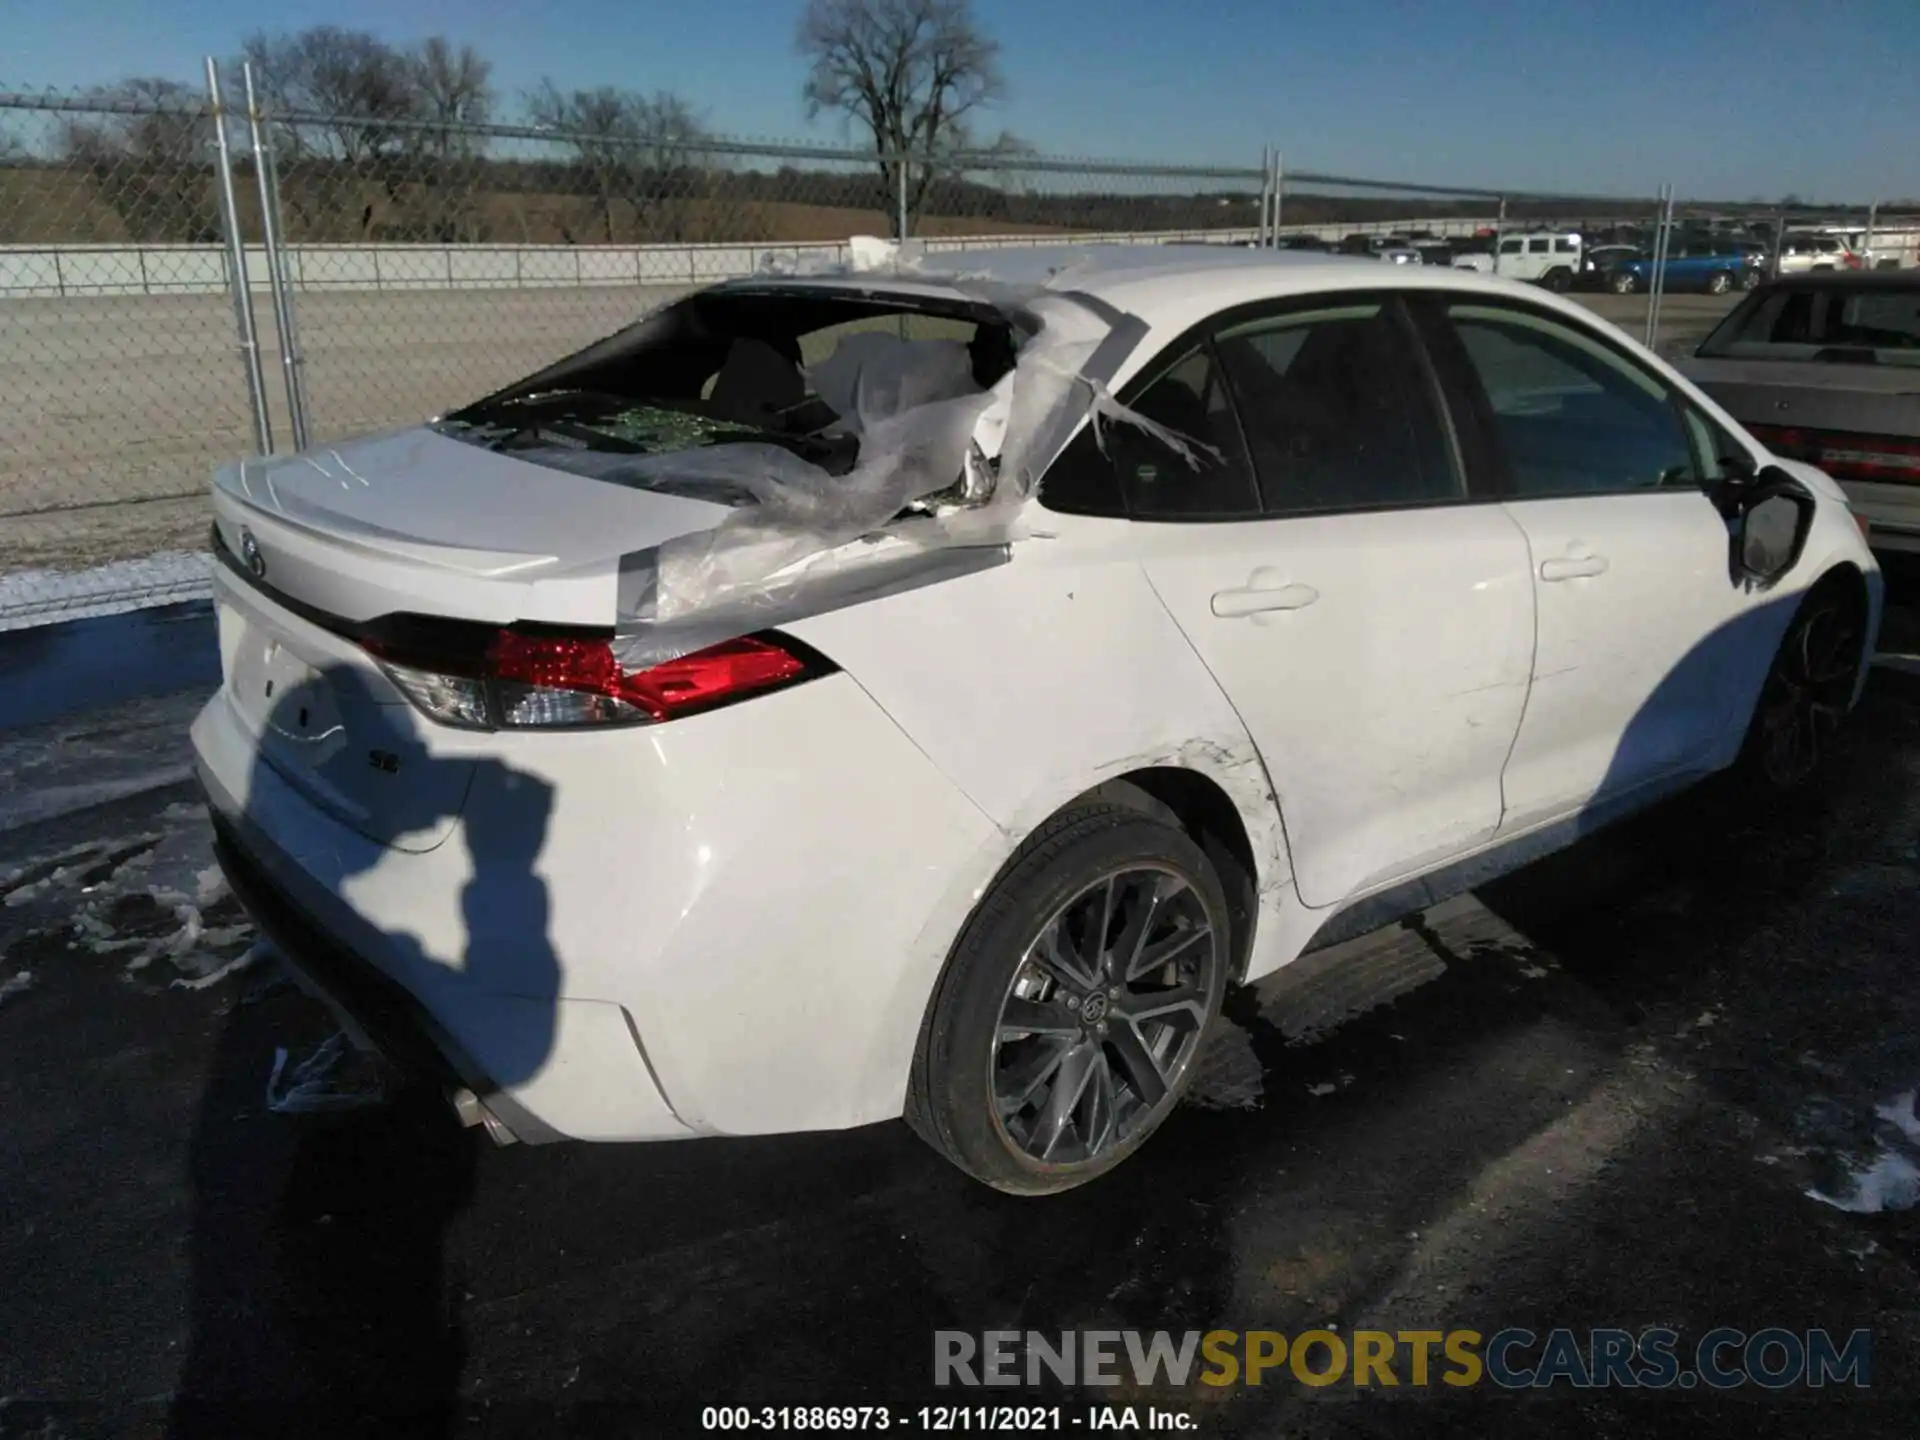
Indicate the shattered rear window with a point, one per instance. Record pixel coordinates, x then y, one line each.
656 429
788 368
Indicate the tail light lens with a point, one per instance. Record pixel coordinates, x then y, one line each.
527 679
1883 459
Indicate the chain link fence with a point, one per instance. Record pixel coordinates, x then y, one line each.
185 277
116 333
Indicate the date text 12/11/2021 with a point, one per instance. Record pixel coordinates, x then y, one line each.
948 1419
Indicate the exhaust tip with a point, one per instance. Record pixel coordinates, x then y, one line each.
471 1110
466 1107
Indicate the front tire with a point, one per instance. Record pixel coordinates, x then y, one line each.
1067 1023
1719 283
1808 690
1622 282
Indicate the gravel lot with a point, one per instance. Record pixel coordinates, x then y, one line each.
118 407
1596 1094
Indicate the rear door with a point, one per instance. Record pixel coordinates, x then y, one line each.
1370 619
1636 656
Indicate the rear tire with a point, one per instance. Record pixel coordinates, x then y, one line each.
1559 280
1072 1011
1808 689
1720 282
1623 282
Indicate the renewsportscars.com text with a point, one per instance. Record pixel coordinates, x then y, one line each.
1656 1358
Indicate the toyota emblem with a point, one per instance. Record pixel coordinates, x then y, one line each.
250 555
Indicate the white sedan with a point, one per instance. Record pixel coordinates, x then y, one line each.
923 690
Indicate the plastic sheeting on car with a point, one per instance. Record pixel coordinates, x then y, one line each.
943 468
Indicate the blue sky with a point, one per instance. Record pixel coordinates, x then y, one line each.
1728 99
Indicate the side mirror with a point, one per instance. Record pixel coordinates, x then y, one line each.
1738 477
1771 516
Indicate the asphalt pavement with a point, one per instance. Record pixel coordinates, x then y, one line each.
1598 1093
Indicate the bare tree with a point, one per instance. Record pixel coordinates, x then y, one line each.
452 91
600 126
353 84
149 158
629 146
452 97
908 72
350 87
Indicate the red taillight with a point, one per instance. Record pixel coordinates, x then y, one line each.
525 679
674 687
1885 459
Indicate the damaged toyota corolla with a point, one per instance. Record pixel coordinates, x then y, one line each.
922 689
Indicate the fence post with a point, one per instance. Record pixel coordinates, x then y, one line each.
1279 193
1657 276
900 184
273 241
1266 196
1866 241
1499 231
237 269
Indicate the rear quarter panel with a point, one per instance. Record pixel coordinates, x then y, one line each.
1031 683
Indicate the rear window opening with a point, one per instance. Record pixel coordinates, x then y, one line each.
794 368
1844 323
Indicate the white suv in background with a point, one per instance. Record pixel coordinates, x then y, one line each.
1549 258
1806 250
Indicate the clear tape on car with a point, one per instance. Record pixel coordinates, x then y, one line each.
943 467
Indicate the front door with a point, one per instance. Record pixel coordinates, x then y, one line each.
1634 603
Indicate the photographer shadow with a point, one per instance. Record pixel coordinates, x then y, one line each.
320 1291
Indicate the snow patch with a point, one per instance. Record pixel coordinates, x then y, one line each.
1887 1177
42 597
147 896
252 955
1889 1181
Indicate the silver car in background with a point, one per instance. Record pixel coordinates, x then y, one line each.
1825 367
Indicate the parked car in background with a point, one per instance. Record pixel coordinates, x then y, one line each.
1597 263
1434 252
1549 258
1304 242
1806 251
1826 368
1396 254
1289 662
1704 265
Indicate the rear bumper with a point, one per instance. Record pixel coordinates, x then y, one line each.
549 1067
378 1014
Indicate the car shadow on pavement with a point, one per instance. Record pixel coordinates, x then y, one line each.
320 1291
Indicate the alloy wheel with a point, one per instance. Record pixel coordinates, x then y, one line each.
1807 694
1104 1016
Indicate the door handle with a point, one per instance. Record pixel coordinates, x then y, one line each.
1573 568
1257 600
